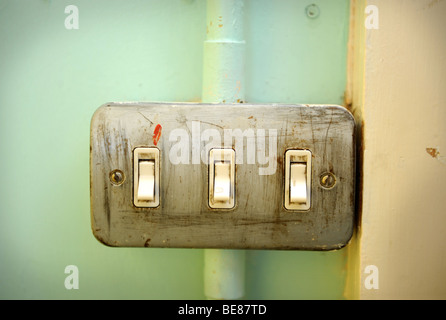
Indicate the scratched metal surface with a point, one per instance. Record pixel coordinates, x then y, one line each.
259 219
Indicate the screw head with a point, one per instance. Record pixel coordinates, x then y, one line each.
312 11
117 177
327 180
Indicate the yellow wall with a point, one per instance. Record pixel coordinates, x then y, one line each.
403 225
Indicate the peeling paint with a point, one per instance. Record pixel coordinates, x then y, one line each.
433 152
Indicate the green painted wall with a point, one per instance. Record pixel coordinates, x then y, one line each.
53 79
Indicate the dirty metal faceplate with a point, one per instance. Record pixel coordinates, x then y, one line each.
260 134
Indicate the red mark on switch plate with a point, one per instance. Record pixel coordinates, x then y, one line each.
157 134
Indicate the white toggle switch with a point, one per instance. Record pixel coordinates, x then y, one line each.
298 183
222 181
297 180
221 178
146 177
146 184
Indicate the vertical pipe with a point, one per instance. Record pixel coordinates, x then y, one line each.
224 48
224 274
223 82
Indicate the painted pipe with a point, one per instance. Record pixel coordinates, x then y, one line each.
223 82
224 274
224 52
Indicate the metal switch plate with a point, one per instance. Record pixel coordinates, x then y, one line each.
259 138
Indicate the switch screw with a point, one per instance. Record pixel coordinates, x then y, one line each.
117 177
312 11
327 180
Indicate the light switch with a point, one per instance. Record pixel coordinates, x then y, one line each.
221 178
146 177
297 180
222 181
298 183
146 183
